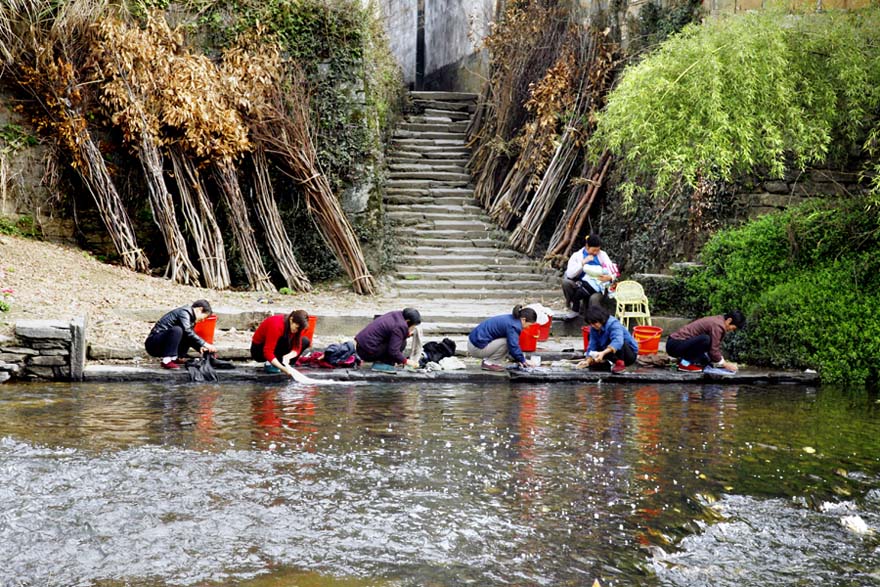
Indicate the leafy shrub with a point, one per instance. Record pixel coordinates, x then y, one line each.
749 92
809 281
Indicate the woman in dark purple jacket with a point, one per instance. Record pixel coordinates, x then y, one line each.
383 339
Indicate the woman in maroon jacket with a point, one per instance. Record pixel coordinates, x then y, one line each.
382 341
278 339
699 342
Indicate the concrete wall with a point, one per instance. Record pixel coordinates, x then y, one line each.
454 32
401 25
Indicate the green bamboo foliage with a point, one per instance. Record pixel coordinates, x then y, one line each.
755 92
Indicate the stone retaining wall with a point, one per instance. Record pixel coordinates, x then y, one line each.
44 349
759 196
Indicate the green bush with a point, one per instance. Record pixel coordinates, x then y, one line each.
743 94
809 281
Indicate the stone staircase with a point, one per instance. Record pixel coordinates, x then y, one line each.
452 250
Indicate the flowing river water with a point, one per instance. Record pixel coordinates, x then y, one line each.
432 485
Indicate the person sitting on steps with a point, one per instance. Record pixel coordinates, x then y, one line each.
611 345
383 340
278 340
172 336
493 339
699 343
588 276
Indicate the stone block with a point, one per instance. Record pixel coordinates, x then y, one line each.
4 376
776 187
12 357
43 329
55 353
41 372
13 368
820 189
19 350
844 177
50 361
44 345
78 348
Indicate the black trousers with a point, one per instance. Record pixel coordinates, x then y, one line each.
577 291
168 343
282 347
626 354
694 349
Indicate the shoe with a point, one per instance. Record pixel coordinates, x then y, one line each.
383 368
570 315
170 365
270 368
487 366
689 368
619 367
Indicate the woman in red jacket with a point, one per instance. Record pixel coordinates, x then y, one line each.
279 339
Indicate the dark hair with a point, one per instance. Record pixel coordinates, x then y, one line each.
203 304
596 314
412 316
301 319
528 313
737 318
594 241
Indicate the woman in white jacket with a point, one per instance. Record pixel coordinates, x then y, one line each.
588 275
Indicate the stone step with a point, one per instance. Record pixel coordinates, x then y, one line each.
424 184
461 162
451 224
410 218
459 259
458 243
451 114
431 175
469 267
490 252
484 294
419 128
432 192
444 96
447 105
439 135
440 166
404 200
505 286
485 276
428 153
427 144
411 232
424 207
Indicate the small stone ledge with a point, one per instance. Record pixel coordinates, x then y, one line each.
253 374
44 349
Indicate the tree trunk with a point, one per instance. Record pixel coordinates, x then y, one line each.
242 230
201 221
270 218
180 268
94 173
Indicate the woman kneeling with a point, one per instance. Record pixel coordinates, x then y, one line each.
278 340
611 345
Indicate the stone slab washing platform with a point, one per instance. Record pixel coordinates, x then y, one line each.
252 373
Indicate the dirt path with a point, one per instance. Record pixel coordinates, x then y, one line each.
51 281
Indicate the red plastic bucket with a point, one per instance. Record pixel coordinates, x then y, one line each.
528 338
586 332
544 329
309 332
205 328
648 338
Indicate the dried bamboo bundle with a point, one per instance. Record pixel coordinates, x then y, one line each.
45 56
577 211
282 124
226 179
201 221
596 62
129 65
270 218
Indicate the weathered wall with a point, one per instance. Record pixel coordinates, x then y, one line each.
454 31
401 25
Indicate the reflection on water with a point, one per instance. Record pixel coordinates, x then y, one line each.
429 484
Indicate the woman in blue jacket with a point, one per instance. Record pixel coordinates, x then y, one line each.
611 344
493 339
